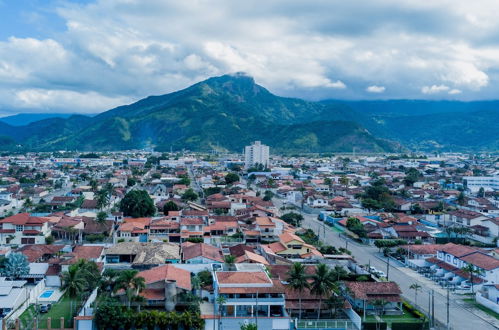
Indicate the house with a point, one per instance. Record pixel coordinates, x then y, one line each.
133 230
250 294
12 295
40 252
467 217
362 296
23 229
200 253
317 201
292 246
451 258
164 285
142 255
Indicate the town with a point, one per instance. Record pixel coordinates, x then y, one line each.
257 240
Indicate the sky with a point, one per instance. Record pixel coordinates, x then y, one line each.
79 56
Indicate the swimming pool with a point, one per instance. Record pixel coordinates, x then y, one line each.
46 294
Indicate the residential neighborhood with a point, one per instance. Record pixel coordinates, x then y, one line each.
227 241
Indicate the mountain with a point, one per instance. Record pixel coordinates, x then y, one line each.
226 112
430 125
22 119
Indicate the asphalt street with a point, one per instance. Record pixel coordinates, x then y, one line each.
459 316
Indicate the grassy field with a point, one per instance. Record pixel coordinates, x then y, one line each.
58 310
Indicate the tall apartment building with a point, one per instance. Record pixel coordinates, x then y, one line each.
257 153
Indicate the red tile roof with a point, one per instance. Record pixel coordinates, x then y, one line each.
242 278
388 291
193 250
169 273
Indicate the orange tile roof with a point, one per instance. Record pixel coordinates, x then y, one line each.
169 273
242 278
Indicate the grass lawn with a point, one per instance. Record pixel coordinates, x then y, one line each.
58 310
406 317
481 307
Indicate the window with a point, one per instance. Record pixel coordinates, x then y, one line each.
19 227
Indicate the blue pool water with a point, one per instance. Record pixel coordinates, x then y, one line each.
46 294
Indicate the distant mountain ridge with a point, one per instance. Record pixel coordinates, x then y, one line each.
22 119
433 125
226 112
231 111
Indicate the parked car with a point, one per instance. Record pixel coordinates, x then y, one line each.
45 308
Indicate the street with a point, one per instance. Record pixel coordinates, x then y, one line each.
459 317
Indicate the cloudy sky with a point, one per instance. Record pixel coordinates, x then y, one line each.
89 56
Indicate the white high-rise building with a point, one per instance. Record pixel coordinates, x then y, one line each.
257 153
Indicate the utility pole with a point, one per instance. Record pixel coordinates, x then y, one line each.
387 268
432 307
448 318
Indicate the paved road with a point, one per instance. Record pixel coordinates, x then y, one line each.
460 318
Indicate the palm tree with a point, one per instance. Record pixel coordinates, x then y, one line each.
102 198
323 283
93 184
74 283
298 280
379 305
416 287
339 272
230 260
220 301
28 203
130 283
335 302
472 271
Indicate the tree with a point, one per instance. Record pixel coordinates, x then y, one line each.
130 283
379 306
101 217
130 182
461 199
189 195
298 281
344 180
416 209
102 199
323 283
16 265
412 176
249 326
230 260
335 302
170 206
481 192
355 226
416 287
231 178
28 203
339 272
377 196
220 302
74 283
137 204
93 185
472 272
292 218
267 196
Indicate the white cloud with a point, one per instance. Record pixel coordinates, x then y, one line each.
434 89
293 48
375 89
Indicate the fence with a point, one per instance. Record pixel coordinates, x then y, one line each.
487 303
325 324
